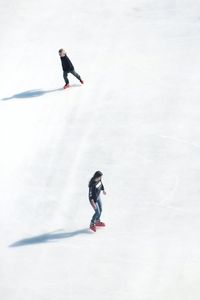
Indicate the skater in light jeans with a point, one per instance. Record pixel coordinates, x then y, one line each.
95 188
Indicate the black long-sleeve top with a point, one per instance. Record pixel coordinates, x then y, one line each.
95 189
66 64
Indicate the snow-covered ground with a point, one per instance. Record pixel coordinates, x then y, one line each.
136 118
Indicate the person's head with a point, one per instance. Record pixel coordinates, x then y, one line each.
62 52
97 175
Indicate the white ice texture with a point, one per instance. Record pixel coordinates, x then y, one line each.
136 118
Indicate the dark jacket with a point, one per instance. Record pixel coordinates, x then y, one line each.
66 64
95 189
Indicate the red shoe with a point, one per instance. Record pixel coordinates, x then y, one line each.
66 86
101 224
93 227
81 81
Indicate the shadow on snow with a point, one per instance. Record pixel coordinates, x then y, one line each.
49 237
36 93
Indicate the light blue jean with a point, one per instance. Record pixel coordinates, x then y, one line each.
98 211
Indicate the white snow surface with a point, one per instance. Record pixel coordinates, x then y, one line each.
136 119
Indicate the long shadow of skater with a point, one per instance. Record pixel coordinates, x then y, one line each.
49 237
36 93
31 94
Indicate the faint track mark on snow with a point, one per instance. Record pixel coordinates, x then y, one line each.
179 140
171 194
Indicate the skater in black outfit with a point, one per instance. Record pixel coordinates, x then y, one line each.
95 188
67 68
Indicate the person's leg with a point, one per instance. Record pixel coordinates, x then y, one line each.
98 221
65 76
73 72
97 213
99 208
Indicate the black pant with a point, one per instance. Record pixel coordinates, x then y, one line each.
73 72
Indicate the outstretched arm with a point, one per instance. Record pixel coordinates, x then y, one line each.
104 192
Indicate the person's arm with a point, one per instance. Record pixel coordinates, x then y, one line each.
93 204
92 196
102 188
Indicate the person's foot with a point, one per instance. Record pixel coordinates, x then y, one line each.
99 223
93 227
81 81
66 86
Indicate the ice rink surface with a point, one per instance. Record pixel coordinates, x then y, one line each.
136 119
